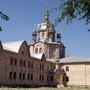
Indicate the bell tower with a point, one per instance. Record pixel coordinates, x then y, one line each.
46 40
45 31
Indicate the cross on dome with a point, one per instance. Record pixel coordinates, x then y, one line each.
47 16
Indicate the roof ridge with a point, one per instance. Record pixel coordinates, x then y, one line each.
13 41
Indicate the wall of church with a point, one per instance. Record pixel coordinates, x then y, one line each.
55 51
43 35
38 48
78 73
31 49
18 69
2 67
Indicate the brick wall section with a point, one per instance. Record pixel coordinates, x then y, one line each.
33 71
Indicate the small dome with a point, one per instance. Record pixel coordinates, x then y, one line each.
42 26
45 26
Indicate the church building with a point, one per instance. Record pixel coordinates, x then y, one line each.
42 63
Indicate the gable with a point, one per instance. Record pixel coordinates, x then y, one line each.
12 46
24 49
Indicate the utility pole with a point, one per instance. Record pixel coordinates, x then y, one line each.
4 17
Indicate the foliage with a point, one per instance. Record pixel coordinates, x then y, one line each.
3 16
72 9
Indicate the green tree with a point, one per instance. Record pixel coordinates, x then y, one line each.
72 9
3 16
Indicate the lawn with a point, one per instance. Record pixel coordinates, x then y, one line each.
47 88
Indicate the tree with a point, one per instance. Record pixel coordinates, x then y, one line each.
3 16
72 9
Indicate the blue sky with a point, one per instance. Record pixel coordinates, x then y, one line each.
26 14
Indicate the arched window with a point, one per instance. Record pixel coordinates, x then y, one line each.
42 35
67 68
40 50
22 52
36 50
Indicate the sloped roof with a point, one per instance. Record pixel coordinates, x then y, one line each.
71 60
42 26
51 60
38 55
12 46
55 43
48 42
74 60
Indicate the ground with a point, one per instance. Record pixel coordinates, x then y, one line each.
47 88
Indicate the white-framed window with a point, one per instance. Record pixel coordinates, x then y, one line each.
40 50
67 68
43 35
36 50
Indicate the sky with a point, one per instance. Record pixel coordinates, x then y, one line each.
26 14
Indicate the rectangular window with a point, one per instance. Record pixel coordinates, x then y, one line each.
40 67
11 61
24 63
28 64
51 78
23 76
20 62
28 76
10 75
19 76
15 61
31 64
31 76
14 75
40 77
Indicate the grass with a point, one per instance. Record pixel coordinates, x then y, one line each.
46 88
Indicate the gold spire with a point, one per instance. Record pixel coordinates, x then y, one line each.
47 16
